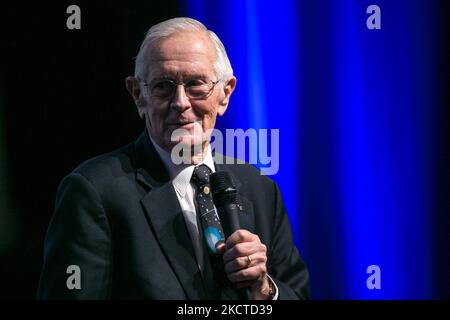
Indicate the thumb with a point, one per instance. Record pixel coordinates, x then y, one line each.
220 247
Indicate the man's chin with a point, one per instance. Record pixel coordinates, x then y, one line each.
187 141
187 149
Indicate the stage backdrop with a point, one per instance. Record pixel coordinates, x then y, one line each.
358 116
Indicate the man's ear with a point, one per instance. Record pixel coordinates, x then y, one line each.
228 89
135 91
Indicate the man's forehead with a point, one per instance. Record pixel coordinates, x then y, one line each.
180 55
182 45
179 69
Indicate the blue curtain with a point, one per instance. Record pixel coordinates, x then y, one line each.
357 113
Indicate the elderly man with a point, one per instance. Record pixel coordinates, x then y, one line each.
128 224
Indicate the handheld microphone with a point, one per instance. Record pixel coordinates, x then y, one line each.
225 199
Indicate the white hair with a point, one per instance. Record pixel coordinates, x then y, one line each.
222 65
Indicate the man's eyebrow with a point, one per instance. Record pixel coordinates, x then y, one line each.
163 78
185 78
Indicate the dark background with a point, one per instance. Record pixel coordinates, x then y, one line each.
63 100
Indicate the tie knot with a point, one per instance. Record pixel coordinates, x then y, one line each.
201 174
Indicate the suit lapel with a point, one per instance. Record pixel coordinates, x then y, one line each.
164 215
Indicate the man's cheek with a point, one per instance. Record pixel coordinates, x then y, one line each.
208 123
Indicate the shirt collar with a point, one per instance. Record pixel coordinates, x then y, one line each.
181 174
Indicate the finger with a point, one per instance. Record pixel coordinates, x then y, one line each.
239 250
239 263
240 236
244 249
220 247
248 274
245 262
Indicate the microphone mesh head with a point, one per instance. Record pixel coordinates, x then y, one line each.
222 187
220 181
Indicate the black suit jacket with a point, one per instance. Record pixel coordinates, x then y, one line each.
118 218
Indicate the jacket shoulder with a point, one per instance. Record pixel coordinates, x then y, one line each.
112 164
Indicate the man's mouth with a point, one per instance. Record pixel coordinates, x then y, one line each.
182 124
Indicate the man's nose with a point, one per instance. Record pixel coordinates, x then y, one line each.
180 101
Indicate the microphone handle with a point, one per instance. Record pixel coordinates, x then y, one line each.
229 217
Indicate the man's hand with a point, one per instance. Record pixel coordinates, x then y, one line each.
245 260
